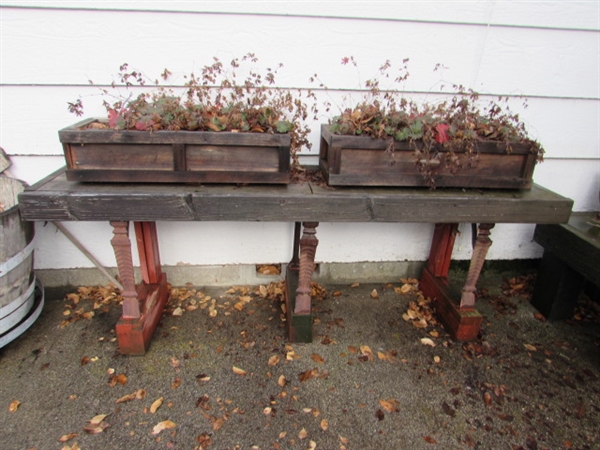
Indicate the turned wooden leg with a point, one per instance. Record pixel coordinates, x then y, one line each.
308 249
298 283
122 247
480 249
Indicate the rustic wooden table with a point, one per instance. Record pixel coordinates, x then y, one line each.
57 199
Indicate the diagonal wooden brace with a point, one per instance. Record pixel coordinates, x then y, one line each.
480 249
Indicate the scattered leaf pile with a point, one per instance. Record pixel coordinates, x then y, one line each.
420 312
88 301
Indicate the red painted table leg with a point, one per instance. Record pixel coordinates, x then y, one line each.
142 310
298 284
461 320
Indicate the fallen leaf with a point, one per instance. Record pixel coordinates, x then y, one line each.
127 398
98 419
324 425
317 358
530 347
379 414
156 404
204 440
291 355
96 424
164 425
177 312
487 399
374 294
344 440
427 341
14 405
202 378
67 437
281 381
238 371
117 379
429 440
390 405
176 383
273 360
303 434
448 409
217 424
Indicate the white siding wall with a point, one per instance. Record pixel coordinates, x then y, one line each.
545 51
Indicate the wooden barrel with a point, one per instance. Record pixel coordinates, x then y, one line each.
17 278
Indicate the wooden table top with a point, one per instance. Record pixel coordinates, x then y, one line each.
56 199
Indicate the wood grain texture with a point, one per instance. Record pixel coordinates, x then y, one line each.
58 199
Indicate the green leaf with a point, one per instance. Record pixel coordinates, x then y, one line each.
283 126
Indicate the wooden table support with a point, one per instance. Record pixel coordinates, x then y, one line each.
455 309
58 199
298 283
142 304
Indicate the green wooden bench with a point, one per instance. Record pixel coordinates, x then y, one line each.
571 257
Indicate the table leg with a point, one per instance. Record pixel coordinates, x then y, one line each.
480 249
298 283
461 319
143 309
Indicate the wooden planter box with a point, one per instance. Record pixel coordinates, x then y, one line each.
106 155
363 161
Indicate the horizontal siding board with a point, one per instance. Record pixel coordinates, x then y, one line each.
475 56
549 14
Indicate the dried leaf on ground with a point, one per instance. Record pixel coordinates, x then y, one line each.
274 360
390 405
96 425
427 341
164 425
67 437
117 379
317 358
14 405
156 404
239 371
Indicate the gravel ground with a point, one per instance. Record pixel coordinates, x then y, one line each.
370 380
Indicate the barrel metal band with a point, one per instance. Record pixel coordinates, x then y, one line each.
17 259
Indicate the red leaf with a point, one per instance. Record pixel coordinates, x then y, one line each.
113 118
440 130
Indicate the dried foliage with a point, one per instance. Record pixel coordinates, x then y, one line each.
219 98
442 134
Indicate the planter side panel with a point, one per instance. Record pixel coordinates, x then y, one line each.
360 161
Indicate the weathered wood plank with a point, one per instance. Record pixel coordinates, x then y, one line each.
59 199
